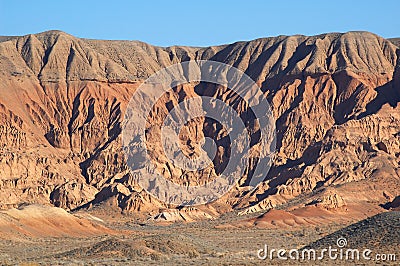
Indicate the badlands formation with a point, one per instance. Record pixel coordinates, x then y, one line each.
335 98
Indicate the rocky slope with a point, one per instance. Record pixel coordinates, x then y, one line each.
381 231
62 102
37 221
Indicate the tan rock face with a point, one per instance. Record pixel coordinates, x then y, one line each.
62 102
187 214
331 201
72 195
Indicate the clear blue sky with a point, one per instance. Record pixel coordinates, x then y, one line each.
198 23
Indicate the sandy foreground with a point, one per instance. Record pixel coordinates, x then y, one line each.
46 235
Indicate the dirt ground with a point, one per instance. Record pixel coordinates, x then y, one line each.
199 243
